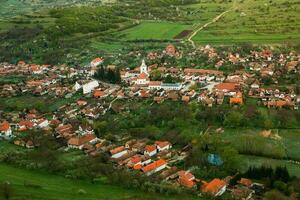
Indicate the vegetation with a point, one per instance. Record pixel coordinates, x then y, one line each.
17 183
109 75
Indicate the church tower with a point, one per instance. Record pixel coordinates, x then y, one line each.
144 68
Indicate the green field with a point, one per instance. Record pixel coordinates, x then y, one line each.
42 103
260 22
154 30
32 185
248 161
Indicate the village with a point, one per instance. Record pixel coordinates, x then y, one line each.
89 98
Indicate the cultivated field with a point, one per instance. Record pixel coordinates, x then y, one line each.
154 30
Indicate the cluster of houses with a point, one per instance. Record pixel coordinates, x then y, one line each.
207 86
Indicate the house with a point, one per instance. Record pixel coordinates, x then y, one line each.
186 179
163 145
227 88
216 187
96 62
142 79
78 142
81 102
150 150
245 182
90 86
25 125
242 193
64 130
135 162
42 123
154 167
118 152
99 94
171 86
236 100
87 86
5 129
154 85
138 161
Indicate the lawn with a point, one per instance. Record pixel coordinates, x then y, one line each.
31 185
154 30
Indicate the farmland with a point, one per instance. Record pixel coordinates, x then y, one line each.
155 30
260 22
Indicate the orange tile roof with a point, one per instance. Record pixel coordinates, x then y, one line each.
226 86
81 102
97 60
202 71
26 123
137 167
185 175
135 159
154 83
99 93
154 165
236 100
162 144
78 141
150 148
245 182
143 76
117 150
214 186
4 126
186 182
280 103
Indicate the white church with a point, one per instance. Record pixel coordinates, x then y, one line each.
143 77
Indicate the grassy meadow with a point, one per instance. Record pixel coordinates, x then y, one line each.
258 22
32 185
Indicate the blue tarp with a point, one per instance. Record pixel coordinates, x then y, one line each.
214 159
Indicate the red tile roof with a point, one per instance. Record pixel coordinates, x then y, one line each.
185 175
117 150
154 165
4 126
150 148
202 71
186 182
143 76
78 141
162 144
99 93
226 86
214 186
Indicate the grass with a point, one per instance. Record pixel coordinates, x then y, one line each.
291 142
42 103
154 30
248 161
32 185
259 22
54 187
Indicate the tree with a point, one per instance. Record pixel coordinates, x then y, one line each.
6 191
274 195
233 119
155 75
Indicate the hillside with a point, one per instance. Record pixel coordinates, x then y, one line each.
82 28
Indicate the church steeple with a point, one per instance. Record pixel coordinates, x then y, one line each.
144 68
